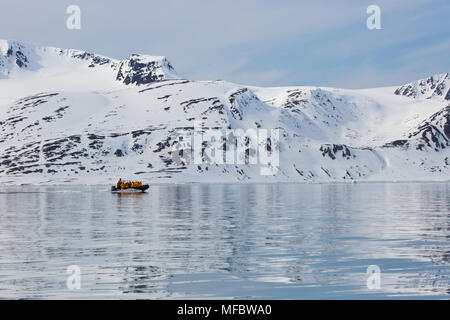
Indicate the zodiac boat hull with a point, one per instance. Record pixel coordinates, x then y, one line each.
128 190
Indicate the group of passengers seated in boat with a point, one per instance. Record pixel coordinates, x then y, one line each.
128 184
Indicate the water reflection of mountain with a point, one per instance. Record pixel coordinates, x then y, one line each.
227 240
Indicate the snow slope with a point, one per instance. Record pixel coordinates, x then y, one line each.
73 116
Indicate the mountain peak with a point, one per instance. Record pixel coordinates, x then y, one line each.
14 54
434 86
138 69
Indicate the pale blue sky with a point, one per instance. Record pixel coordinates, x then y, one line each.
267 43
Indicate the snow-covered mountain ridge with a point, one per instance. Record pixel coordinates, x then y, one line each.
137 69
71 116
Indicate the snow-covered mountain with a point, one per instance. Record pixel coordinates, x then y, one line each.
73 116
18 59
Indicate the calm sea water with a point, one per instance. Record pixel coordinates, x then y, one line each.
262 241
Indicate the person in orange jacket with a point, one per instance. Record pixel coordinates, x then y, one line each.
128 184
